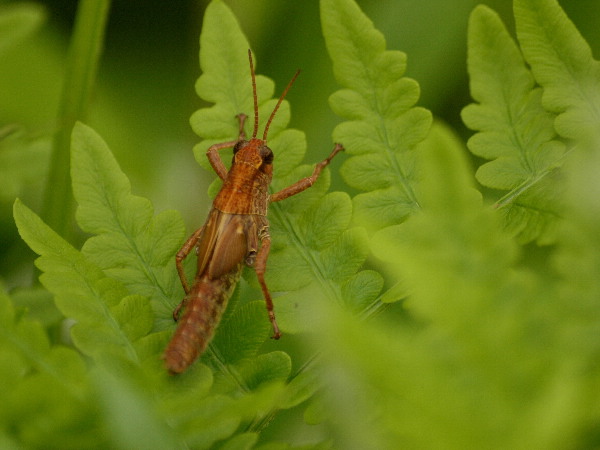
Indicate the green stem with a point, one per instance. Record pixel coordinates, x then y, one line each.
82 63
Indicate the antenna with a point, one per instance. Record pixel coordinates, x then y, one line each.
256 99
279 103
253 94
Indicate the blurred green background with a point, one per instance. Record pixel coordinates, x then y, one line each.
144 93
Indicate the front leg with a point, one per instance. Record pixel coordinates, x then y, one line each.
213 151
307 182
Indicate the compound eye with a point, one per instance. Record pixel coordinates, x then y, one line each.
266 154
238 145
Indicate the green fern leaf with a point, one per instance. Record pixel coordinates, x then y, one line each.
383 125
329 265
577 260
243 332
38 304
130 415
268 367
515 131
130 244
453 205
101 306
243 441
362 289
47 384
494 342
225 81
562 64
27 343
202 419
301 387
23 162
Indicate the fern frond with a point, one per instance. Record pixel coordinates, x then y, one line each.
562 63
201 417
514 131
44 386
383 125
225 81
494 344
130 243
109 321
130 414
234 346
26 343
23 162
577 260
38 305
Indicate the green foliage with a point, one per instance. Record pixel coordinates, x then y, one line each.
562 64
494 345
47 384
521 110
515 131
129 244
500 359
108 320
17 21
458 263
82 64
225 81
383 127
18 151
22 162
114 328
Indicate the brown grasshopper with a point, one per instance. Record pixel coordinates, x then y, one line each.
236 226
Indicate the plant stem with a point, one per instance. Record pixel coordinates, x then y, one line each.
82 63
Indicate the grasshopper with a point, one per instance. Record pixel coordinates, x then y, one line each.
235 233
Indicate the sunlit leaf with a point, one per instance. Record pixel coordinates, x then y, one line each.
515 132
383 125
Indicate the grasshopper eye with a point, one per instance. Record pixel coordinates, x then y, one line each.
266 154
238 145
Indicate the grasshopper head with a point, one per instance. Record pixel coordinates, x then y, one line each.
254 153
